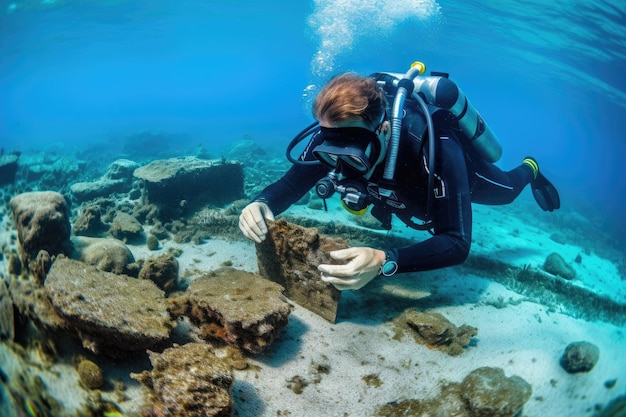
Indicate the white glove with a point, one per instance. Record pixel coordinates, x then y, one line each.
362 267
252 221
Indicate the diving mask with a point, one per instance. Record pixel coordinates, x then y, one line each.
348 149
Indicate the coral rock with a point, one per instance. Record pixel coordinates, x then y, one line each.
8 168
106 254
90 374
7 323
489 393
436 331
125 227
89 222
556 265
113 314
41 265
181 185
290 255
117 179
243 309
42 222
189 381
580 357
485 392
162 270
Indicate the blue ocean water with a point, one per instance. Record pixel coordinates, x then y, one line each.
79 76
547 77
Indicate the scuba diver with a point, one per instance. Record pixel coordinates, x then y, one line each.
407 145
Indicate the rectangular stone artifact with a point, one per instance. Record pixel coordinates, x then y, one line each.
290 256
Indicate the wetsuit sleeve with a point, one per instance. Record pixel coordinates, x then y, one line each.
452 217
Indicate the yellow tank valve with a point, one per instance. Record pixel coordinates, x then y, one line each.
420 66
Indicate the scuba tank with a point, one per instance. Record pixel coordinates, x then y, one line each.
443 94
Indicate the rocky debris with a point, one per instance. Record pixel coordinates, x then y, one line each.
238 307
112 314
488 392
14 265
125 227
436 331
42 219
8 168
7 323
213 222
54 171
188 381
106 254
89 222
32 303
485 392
580 357
117 179
247 151
182 185
290 255
41 266
90 374
102 187
556 265
121 169
162 270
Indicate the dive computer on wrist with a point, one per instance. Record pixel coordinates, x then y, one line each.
389 267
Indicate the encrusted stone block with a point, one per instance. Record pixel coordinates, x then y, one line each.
188 381
290 256
238 307
113 314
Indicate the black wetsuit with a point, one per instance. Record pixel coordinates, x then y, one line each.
461 177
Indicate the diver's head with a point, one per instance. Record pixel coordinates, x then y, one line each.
351 110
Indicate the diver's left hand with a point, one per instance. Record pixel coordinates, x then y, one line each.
362 267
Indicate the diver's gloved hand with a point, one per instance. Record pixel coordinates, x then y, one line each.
252 221
363 265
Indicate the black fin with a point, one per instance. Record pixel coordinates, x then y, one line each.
545 194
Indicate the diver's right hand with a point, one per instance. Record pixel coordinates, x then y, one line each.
252 221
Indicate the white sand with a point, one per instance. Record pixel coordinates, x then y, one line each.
526 339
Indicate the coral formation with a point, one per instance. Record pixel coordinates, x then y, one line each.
162 270
117 179
290 256
152 242
42 222
580 357
188 381
8 168
14 265
126 228
556 265
7 325
89 222
181 185
90 374
240 308
436 331
106 254
485 392
112 314
41 265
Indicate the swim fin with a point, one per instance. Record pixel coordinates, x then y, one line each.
544 192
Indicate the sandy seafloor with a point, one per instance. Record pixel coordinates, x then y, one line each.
522 337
